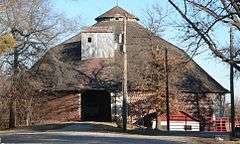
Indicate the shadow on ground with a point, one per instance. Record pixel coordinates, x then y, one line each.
42 138
112 128
104 133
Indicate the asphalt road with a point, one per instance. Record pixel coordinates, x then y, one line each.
88 138
87 133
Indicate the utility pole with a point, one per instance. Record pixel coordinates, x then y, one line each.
125 91
232 86
167 89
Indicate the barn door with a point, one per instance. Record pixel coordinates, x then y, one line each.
96 106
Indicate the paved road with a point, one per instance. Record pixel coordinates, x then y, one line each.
88 138
85 134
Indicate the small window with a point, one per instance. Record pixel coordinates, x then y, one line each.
89 39
117 19
188 127
119 38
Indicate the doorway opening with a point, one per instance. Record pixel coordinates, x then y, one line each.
96 106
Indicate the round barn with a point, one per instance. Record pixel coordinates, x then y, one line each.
81 78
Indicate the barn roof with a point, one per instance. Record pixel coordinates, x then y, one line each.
181 116
98 30
116 12
62 67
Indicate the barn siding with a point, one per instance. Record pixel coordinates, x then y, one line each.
179 125
68 107
102 45
60 109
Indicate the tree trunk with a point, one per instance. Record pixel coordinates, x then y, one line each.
167 90
29 112
12 114
199 114
28 120
157 122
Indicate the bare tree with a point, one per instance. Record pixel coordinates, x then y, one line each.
34 27
203 19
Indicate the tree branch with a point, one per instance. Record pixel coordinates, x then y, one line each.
206 38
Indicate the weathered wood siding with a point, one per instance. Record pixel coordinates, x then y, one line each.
102 45
60 109
180 125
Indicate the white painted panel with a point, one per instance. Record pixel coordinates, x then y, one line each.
179 125
102 45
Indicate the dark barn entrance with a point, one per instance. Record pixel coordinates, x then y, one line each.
96 106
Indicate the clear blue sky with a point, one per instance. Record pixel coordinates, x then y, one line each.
88 10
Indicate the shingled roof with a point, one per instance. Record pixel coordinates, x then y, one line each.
116 12
62 68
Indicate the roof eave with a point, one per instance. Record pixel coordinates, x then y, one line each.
102 18
205 92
